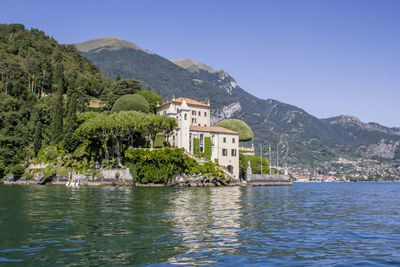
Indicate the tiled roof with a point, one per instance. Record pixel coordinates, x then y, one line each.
188 101
211 129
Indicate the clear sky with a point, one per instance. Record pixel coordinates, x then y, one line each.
327 57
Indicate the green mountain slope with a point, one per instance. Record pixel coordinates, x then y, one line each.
128 60
302 138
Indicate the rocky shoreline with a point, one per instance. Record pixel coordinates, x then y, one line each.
180 181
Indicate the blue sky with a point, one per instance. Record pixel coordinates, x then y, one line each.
327 57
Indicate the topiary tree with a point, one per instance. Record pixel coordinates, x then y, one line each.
245 132
131 103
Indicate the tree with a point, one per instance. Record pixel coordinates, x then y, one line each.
71 124
152 99
131 103
58 113
239 126
37 141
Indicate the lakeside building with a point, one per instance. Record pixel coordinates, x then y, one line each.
193 118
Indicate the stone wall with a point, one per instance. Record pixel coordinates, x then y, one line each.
267 178
124 174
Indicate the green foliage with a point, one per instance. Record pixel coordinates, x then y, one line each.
239 126
196 147
207 148
81 151
123 129
27 175
62 172
49 171
18 170
49 154
58 112
159 141
161 166
152 99
255 163
131 103
33 68
120 88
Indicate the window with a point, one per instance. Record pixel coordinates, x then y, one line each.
212 140
233 140
165 112
193 112
205 114
233 152
224 152
201 143
185 116
224 140
194 120
199 124
199 113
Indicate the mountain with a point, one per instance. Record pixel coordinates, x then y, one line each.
303 138
192 66
115 56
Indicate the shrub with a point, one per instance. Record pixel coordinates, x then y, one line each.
62 172
161 166
49 171
245 132
131 103
27 175
255 163
18 170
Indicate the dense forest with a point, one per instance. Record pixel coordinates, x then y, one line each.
44 87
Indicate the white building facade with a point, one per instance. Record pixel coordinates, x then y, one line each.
193 118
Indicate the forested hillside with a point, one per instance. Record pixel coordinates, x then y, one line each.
43 86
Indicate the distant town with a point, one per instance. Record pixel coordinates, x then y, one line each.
346 170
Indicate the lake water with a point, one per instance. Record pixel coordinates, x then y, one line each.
305 224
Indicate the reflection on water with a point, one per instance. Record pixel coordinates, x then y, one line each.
306 224
211 232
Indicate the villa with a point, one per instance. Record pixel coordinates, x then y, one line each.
194 129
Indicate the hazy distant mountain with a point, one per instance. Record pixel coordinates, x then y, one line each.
303 138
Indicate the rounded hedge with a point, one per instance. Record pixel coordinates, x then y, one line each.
131 103
245 132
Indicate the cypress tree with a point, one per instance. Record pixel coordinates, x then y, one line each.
57 120
71 124
37 140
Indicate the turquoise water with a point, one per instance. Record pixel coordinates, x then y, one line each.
305 224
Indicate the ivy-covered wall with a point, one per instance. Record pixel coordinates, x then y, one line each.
196 147
207 148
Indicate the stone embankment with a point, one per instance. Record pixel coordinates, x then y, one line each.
268 179
116 177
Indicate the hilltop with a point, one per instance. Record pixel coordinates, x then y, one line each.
192 66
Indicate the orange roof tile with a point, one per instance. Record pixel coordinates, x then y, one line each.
211 129
188 101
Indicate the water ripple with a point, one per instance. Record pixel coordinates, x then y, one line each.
306 224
